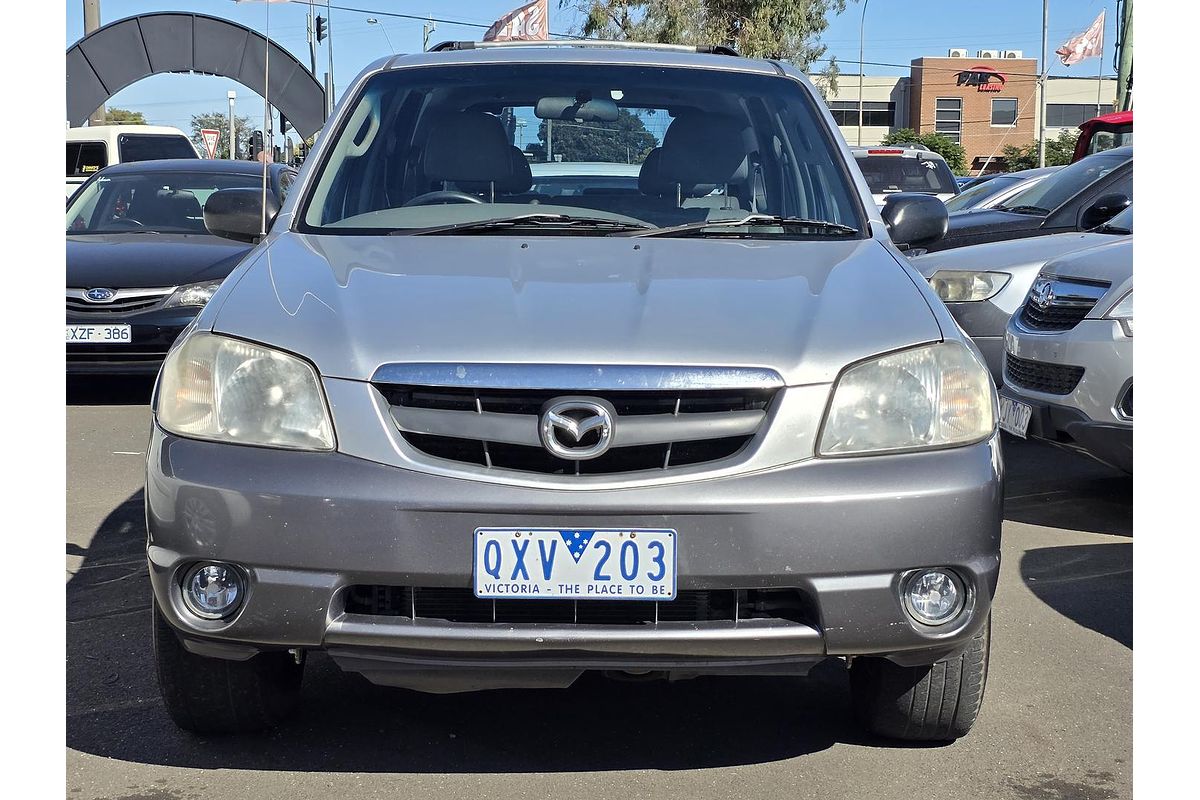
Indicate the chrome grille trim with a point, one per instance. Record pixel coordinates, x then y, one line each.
576 378
1070 303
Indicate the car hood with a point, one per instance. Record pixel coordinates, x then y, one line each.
130 261
1111 263
353 303
1010 255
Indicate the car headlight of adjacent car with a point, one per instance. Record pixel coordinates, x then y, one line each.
937 395
967 286
1123 313
194 294
227 390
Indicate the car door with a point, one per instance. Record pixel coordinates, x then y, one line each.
1074 214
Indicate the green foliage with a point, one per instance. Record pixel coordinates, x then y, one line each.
215 120
1059 152
944 146
780 29
622 141
122 116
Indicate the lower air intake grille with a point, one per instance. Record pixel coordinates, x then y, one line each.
1038 376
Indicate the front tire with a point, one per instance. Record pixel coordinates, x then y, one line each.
213 695
934 702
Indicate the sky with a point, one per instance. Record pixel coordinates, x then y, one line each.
896 31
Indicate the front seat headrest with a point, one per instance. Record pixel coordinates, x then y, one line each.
468 147
703 149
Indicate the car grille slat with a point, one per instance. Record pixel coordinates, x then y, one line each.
664 429
1039 376
461 605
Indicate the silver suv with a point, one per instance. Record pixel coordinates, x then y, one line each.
459 436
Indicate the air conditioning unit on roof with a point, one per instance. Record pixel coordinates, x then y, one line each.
1012 54
958 52
988 54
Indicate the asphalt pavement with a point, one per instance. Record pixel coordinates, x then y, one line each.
1056 722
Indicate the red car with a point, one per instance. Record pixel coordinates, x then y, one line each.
1104 133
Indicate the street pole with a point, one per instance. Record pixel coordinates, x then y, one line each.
861 25
91 21
232 130
1125 63
373 21
428 28
329 75
312 40
1042 85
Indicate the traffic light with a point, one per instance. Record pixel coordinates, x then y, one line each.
256 144
322 29
283 123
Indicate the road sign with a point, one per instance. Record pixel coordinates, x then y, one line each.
210 138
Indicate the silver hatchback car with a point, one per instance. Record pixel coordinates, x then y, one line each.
462 436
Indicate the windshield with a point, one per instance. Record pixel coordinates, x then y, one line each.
165 202
1048 194
887 174
970 198
640 146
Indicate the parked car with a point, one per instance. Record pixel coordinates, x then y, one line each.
997 189
985 284
461 440
889 169
963 181
1068 375
569 178
94 147
1104 133
141 264
1078 197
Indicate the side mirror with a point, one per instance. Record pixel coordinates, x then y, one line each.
914 220
1105 208
237 213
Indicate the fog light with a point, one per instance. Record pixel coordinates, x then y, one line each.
212 591
933 596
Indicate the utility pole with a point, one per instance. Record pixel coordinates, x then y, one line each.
329 99
1042 84
312 42
91 21
861 24
428 28
1125 57
232 129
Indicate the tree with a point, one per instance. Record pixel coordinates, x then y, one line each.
624 140
944 146
122 116
779 29
1059 152
215 120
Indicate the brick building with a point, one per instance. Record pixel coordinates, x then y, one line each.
983 105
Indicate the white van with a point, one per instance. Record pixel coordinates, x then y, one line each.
92 148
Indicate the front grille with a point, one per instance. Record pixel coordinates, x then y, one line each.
1038 376
530 456
1069 301
126 301
461 605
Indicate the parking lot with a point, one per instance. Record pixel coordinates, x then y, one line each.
1056 722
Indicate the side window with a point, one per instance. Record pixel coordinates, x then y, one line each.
285 184
84 158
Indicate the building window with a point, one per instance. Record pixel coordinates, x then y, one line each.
1071 115
1004 111
948 117
875 114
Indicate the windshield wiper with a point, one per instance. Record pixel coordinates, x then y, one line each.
691 228
536 220
1035 210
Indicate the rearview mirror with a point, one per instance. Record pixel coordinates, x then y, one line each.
914 220
237 213
1105 208
571 108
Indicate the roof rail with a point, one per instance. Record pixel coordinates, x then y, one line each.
715 49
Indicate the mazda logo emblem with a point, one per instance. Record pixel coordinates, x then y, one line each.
100 295
577 428
1042 294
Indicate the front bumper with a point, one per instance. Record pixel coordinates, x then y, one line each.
151 335
306 526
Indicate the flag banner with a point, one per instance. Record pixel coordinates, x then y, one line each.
529 22
1085 45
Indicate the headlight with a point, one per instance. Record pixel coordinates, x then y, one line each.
936 395
1123 312
965 286
194 294
227 390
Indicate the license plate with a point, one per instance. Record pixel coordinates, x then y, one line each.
575 564
1014 416
99 334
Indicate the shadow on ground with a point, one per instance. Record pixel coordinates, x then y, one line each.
1054 488
1091 584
